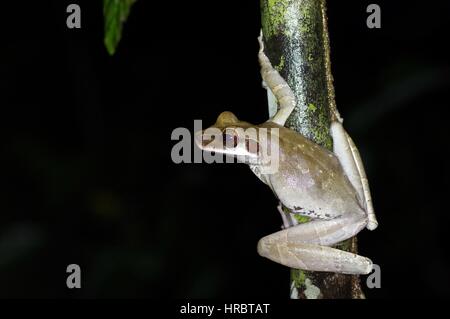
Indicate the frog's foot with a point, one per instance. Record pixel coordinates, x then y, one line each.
287 221
260 41
304 246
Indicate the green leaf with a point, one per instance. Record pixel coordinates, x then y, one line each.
115 13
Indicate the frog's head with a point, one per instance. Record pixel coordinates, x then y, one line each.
231 137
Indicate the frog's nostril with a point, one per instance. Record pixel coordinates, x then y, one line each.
205 142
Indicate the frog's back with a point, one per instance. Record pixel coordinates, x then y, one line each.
310 177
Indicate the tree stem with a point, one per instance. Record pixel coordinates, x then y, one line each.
296 41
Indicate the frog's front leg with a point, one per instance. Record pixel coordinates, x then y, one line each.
277 85
306 246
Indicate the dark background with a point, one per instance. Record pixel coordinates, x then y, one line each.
86 166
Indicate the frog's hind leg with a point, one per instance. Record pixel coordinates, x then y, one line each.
305 246
350 159
318 258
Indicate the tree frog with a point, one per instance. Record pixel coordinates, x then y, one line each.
329 187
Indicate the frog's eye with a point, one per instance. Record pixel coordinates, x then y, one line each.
252 146
230 139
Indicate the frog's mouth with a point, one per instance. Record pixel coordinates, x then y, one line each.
229 144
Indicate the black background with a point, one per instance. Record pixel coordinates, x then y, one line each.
86 166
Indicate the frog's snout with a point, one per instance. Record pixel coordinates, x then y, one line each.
198 139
